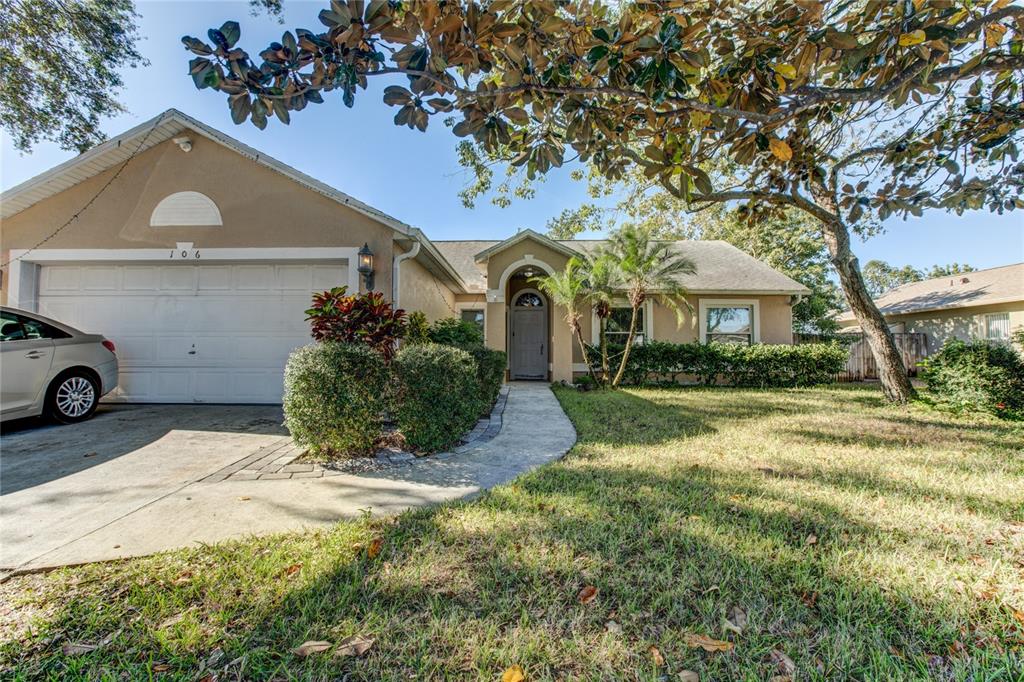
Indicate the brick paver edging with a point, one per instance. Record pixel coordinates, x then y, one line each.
276 461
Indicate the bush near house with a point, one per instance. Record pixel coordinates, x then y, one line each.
758 365
333 398
437 394
452 331
490 373
417 328
356 318
976 376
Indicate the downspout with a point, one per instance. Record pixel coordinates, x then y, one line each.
396 271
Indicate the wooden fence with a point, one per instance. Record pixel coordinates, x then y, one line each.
913 346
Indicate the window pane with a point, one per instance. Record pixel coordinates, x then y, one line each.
743 339
731 320
620 317
529 300
474 316
997 326
34 329
10 328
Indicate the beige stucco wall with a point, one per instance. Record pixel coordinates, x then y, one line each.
964 323
775 319
420 290
259 207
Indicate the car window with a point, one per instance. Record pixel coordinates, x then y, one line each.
34 329
10 327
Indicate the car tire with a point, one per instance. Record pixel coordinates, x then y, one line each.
72 397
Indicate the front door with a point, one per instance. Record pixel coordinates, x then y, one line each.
529 338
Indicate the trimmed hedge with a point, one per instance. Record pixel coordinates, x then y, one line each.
333 398
490 373
452 331
976 377
759 365
437 394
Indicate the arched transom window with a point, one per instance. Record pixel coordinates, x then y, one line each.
186 208
528 299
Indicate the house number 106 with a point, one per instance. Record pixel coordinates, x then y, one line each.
184 253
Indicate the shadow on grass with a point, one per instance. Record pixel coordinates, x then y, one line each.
672 544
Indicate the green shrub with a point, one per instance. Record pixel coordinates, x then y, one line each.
357 318
333 398
437 395
759 365
490 373
451 331
417 329
976 377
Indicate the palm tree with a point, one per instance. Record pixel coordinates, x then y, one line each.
567 288
601 280
646 267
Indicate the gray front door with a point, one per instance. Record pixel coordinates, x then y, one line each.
529 343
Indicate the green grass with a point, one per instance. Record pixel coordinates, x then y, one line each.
678 505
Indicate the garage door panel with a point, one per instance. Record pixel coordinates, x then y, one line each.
242 321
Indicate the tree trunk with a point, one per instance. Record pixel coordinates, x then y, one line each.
605 369
578 331
895 383
629 347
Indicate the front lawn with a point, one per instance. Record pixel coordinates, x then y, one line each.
854 539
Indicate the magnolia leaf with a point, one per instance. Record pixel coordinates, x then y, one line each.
513 674
812 539
587 594
613 628
782 662
356 645
311 647
787 70
688 676
656 656
396 94
292 570
77 649
780 149
706 643
375 546
737 620
913 38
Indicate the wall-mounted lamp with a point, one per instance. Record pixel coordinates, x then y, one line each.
365 267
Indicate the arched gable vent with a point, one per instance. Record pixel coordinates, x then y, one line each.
185 208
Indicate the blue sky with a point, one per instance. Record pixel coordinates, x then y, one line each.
416 176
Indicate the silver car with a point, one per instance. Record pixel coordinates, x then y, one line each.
51 369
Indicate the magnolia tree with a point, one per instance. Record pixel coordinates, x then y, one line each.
848 111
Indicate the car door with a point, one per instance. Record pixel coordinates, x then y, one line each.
25 359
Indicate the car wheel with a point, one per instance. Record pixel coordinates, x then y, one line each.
73 398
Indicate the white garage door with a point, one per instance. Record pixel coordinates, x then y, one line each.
192 333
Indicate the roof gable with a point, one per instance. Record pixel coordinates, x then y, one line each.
558 247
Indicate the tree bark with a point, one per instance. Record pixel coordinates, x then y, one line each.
578 332
891 372
629 347
605 369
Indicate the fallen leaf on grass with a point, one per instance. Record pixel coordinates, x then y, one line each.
783 663
811 539
688 676
1019 616
311 647
77 649
706 643
244 498
736 621
656 656
376 545
161 668
292 570
587 594
513 674
356 645
613 627
183 577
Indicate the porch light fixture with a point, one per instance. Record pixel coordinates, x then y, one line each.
365 267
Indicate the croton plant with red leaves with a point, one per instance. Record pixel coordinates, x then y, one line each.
366 318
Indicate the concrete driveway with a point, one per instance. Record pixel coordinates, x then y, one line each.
60 483
139 479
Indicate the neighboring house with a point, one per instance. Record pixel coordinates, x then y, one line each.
985 304
199 258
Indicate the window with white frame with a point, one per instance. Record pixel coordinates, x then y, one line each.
997 327
617 329
474 315
729 324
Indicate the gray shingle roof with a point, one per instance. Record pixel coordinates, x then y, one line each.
721 267
984 287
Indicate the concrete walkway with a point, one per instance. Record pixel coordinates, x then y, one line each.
40 529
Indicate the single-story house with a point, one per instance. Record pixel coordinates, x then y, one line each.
984 304
197 254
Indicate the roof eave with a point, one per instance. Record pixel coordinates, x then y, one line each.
520 236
